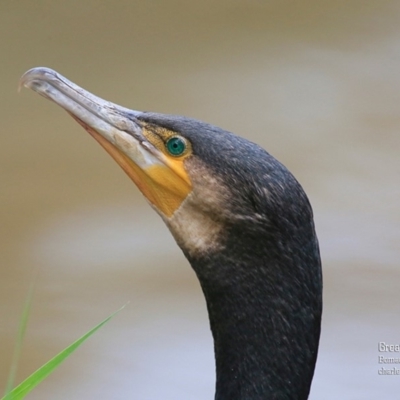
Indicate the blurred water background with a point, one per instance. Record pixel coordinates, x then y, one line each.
317 83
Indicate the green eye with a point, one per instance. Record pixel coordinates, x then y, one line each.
176 146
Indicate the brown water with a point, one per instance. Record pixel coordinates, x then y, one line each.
317 83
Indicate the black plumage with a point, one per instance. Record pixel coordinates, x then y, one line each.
264 289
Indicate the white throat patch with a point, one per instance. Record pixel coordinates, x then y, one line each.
194 229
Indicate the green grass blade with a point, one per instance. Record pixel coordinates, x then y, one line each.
20 338
39 375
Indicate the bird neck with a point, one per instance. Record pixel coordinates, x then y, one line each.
265 312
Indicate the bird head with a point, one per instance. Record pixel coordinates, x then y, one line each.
193 174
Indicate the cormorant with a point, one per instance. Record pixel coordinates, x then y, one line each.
243 222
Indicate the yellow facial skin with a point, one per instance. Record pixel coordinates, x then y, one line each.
164 186
139 148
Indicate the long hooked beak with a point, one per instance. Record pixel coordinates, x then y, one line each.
121 133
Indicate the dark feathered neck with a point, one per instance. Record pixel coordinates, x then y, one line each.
262 280
264 298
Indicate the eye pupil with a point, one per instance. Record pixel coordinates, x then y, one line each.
176 146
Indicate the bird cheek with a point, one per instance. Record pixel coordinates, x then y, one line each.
162 186
167 190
